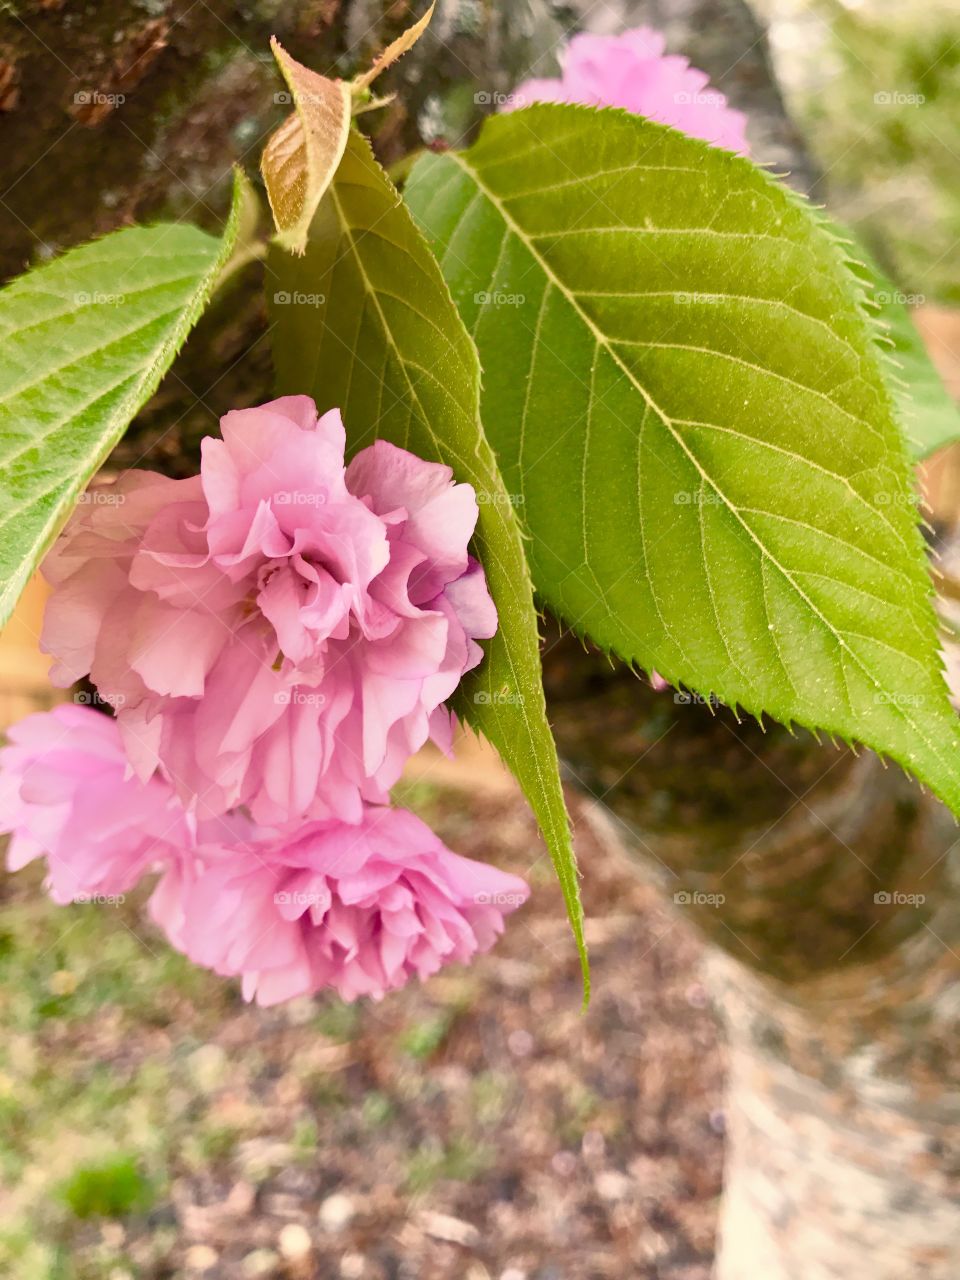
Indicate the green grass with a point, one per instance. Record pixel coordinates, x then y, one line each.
378 1110
109 1189
89 1117
337 1020
422 1040
460 1160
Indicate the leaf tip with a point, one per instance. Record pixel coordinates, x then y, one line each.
394 50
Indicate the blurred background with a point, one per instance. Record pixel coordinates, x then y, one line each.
480 1128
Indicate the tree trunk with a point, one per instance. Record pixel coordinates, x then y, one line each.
843 1122
117 114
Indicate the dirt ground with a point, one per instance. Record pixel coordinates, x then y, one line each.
477 1128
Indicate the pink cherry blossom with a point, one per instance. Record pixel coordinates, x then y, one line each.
357 908
630 70
66 793
279 632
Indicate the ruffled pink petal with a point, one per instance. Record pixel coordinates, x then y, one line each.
74 617
68 796
173 650
360 909
278 632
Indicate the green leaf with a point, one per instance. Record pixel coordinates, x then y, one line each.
929 416
365 322
84 340
681 379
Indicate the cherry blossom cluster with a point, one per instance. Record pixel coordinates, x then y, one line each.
276 637
632 71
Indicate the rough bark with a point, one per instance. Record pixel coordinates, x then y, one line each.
197 85
197 88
